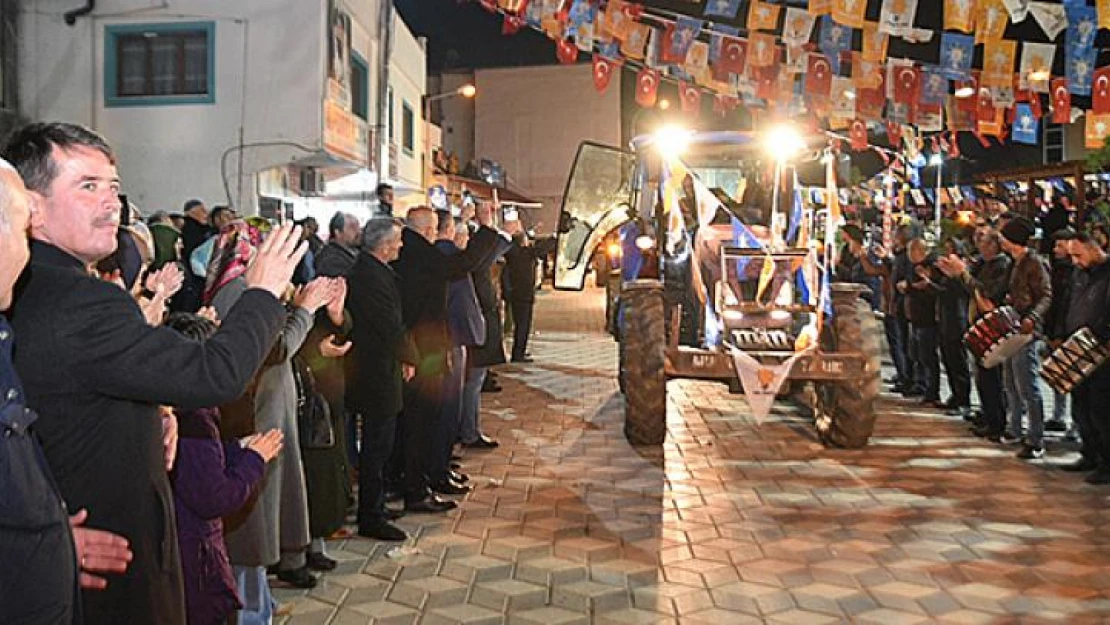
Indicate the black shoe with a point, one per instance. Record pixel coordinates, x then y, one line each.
1006 439
383 530
1100 475
320 562
450 487
392 515
987 433
461 478
893 380
393 495
913 392
1055 425
455 466
298 578
523 359
491 388
931 403
431 503
483 442
1030 452
1080 466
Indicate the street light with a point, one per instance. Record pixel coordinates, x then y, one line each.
467 91
937 160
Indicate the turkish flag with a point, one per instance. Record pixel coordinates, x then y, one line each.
857 134
724 104
603 72
893 133
511 25
690 97
907 84
1061 101
984 107
818 75
647 85
566 51
1100 91
766 81
733 56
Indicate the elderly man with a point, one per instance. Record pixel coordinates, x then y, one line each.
338 256
97 373
34 532
425 273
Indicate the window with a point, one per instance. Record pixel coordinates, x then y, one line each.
152 64
408 128
1054 139
360 87
389 113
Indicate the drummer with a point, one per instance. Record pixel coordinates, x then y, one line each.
1090 308
1030 294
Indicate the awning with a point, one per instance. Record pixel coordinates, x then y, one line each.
484 191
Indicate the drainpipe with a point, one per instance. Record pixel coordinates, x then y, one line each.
70 17
385 53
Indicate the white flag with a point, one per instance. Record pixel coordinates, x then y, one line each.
761 381
1019 9
797 27
896 17
1051 17
1036 66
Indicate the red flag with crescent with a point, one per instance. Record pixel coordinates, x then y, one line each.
1061 101
690 97
724 104
984 107
1100 91
733 56
857 134
893 133
907 84
566 51
818 75
647 86
603 72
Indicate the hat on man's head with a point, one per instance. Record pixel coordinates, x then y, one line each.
1065 234
1017 231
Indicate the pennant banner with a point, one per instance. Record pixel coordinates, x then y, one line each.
959 15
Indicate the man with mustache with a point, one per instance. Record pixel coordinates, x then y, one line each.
96 373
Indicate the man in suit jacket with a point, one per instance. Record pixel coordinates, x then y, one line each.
97 373
382 358
425 273
520 292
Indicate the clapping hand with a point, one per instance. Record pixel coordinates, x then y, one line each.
880 252
169 435
165 282
338 301
209 313
266 445
315 294
951 265
97 552
277 257
329 349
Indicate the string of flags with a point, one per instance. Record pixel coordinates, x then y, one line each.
793 62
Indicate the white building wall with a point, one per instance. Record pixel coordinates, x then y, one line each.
531 120
408 79
270 74
456 116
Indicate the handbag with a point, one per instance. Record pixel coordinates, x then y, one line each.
314 425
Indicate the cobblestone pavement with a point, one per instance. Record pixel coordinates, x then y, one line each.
731 522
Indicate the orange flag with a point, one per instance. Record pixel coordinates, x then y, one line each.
874 43
763 15
1103 7
959 15
998 63
991 18
820 7
849 12
1098 128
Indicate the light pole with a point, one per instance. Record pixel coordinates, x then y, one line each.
467 91
937 161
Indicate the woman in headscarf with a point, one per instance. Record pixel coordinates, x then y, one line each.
232 251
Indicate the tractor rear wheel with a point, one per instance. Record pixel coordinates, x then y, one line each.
643 347
845 410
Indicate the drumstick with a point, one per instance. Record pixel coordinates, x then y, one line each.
983 304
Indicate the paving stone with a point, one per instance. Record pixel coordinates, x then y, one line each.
407 567
387 613
624 573
590 597
517 548
551 571
672 599
752 598
717 616
548 616
589 550
509 595
476 568
463 614
450 545
429 592
633 616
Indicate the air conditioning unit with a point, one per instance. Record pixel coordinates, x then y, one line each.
312 182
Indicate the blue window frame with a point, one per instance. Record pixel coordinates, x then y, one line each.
160 64
360 86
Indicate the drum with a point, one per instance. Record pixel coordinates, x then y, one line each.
1074 361
996 336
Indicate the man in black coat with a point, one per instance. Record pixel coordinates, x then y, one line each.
97 374
383 357
425 273
520 292
338 256
195 232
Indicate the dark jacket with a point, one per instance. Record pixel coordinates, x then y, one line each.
853 269
990 279
1031 288
1055 322
425 273
96 374
952 308
381 341
465 322
520 272
921 296
335 260
38 582
211 479
1090 302
193 233
492 351
901 269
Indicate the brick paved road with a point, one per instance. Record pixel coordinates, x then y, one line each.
731 522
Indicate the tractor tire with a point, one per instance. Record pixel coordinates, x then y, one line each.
644 340
845 411
621 373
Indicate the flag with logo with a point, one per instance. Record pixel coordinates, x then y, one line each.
907 84
930 117
647 85
580 22
849 12
959 118
690 98
820 7
1082 26
956 53
603 72
1060 101
566 51
992 123
843 98
733 58
998 63
697 59
959 15
797 26
1036 65
896 17
1026 126
834 40
875 43
1098 127
722 8
934 86
1100 91
819 76
686 31
1081 69
633 44
762 15
762 51
1051 17
990 20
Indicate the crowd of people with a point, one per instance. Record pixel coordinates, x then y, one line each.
194 402
929 298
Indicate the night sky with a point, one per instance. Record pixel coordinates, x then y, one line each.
462 35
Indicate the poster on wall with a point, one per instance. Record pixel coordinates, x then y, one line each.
339 55
346 135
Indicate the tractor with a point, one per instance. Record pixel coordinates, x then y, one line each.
708 277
